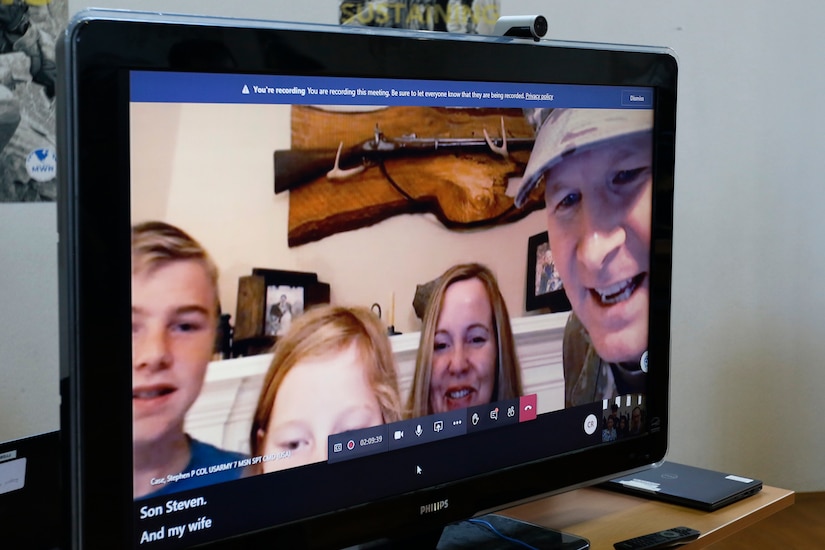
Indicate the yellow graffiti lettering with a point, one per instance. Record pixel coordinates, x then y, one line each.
29 2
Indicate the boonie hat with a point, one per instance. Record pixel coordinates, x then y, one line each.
568 131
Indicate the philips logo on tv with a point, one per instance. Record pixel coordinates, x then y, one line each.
434 507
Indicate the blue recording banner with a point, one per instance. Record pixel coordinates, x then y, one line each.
173 87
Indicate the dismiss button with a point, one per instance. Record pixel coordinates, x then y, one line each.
637 98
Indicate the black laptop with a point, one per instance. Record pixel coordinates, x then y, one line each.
690 486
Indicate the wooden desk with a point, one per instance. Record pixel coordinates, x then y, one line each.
605 517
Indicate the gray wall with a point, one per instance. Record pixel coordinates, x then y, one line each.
29 395
747 381
747 347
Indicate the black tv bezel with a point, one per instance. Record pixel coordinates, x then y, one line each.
94 225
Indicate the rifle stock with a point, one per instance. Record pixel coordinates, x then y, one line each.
296 166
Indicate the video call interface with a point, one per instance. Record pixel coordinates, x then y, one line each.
420 204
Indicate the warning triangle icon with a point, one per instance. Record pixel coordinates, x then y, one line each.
245 89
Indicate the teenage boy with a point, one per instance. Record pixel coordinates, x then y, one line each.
596 168
175 313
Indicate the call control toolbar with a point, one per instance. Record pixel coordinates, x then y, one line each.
425 429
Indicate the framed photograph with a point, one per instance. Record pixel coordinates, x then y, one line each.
268 301
283 303
544 289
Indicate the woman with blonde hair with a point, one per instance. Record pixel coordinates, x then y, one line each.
333 372
467 355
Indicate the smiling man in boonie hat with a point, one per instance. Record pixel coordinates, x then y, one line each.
596 165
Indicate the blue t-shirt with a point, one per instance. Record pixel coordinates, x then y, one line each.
223 463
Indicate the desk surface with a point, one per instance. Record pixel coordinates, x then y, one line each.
605 517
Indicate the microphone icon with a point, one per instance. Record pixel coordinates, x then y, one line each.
418 430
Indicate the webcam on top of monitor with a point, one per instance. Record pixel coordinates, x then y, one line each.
521 26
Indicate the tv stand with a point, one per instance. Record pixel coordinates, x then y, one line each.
605 517
495 532
489 532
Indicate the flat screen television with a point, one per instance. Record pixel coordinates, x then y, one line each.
370 282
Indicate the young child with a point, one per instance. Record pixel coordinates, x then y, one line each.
333 371
175 313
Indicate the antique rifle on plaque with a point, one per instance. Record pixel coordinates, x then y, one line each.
294 167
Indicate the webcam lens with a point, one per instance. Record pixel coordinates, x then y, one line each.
540 25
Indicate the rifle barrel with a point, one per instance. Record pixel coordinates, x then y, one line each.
293 167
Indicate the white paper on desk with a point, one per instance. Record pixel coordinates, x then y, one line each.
739 479
642 484
12 475
8 455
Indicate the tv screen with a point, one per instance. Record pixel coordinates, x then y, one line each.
369 282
